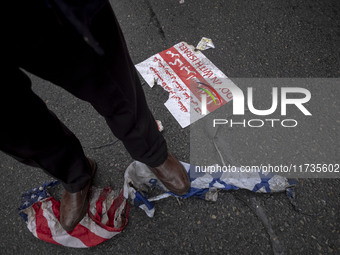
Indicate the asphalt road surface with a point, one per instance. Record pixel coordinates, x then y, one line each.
253 39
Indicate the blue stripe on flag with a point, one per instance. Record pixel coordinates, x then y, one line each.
140 199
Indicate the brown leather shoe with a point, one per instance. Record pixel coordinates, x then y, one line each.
74 206
173 175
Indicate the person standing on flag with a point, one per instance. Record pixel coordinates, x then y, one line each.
79 46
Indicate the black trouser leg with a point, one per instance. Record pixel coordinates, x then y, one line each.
32 134
110 82
55 52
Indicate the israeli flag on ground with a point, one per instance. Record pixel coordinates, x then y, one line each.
139 180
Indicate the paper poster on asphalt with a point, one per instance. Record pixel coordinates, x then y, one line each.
188 76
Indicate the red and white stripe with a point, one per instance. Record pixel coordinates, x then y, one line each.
106 217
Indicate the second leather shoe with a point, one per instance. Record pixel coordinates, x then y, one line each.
74 206
173 175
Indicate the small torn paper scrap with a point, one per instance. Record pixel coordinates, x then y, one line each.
186 75
205 43
159 125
